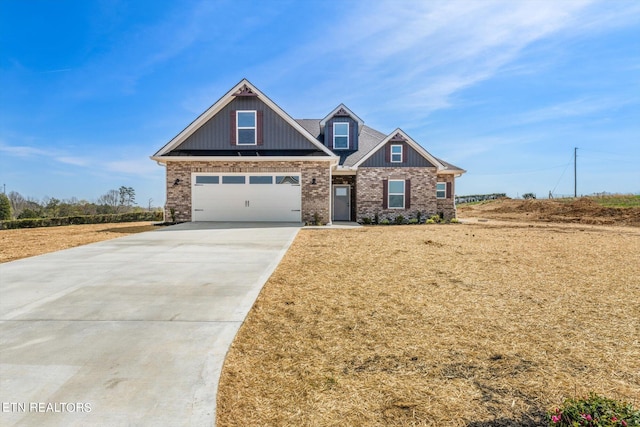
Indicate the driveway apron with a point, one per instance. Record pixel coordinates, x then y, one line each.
130 331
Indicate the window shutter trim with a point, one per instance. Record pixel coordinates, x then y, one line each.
232 127
259 128
449 190
407 194
385 194
387 153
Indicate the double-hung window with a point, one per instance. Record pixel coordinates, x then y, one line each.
441 190
340 136
246 127
396 194
396 154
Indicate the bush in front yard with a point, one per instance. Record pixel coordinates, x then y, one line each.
81 219
594 411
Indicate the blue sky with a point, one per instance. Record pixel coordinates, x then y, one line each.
90 89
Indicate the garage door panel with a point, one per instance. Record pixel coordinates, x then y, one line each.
257 201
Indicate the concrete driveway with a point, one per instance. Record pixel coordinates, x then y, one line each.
131 331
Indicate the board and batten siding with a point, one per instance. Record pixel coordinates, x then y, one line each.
216 134
353 132
410 158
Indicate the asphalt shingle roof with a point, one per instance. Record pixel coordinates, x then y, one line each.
369 139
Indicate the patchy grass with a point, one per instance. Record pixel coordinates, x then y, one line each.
457 325
618 201
26 242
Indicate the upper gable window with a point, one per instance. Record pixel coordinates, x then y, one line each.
246 127
340 135
396 154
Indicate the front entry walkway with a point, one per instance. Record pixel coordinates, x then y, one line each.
131 331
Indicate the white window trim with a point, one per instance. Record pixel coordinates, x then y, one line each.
255 127
389 193
392 153
347 135
445 190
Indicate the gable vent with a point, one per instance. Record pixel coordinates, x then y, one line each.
397 138
342 112
245 91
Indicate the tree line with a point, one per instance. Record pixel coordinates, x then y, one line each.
15 206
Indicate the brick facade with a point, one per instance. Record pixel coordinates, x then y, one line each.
315 197
369 197
446 208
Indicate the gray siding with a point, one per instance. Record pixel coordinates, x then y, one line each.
411 158
216 133
353 132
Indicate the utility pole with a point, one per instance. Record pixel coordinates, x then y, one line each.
575 172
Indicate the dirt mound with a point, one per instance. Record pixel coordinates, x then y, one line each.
583 210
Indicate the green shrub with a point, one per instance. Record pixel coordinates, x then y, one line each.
399 220
385 222
594 411
413 221
454 221
376 218
366 220
430 221
5 208
434 218
419 217
81 219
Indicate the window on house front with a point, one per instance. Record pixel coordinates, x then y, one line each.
341 136
233 179
246 127
206 179
441 190
396 194
396 154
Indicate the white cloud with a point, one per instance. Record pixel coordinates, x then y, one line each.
581 107
75 161
424 53
22 150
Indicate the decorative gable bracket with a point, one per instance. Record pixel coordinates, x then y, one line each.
398 138
245 91
342 113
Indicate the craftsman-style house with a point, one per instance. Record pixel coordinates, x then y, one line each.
245 159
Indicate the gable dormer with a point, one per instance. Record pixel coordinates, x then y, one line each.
341 129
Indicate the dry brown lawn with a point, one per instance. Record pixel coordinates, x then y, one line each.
26 242
483 324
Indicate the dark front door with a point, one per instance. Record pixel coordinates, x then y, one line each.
341 203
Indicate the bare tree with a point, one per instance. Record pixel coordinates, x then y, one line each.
110 199
18 202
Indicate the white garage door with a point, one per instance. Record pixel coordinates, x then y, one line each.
246 197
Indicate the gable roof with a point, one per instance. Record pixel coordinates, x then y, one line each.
400 135
243 88
341 110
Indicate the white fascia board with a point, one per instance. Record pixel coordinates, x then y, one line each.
226 99
165 159
457 172
335 110
419 148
